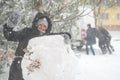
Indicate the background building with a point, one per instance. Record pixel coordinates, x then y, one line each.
109 16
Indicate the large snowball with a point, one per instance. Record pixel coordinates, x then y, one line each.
50 59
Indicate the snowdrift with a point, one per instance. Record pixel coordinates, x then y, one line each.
49 58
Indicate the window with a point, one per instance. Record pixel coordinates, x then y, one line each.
106 2
104 16
118 16
118 2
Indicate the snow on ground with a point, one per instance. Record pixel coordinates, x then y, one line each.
101 67
98 67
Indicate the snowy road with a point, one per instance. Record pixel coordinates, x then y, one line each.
98 67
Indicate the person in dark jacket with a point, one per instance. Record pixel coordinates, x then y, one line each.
107 40
41 25
90 38
101 41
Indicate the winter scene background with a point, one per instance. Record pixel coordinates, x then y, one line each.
89 67
56 59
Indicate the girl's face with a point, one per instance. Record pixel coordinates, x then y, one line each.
42 27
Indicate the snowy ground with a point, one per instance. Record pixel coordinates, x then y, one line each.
101 67
98 67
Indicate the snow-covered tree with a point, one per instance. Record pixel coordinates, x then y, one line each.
63 13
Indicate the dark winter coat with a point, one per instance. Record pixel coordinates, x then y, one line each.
91 37
26 34
105 33
22 37
101 38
